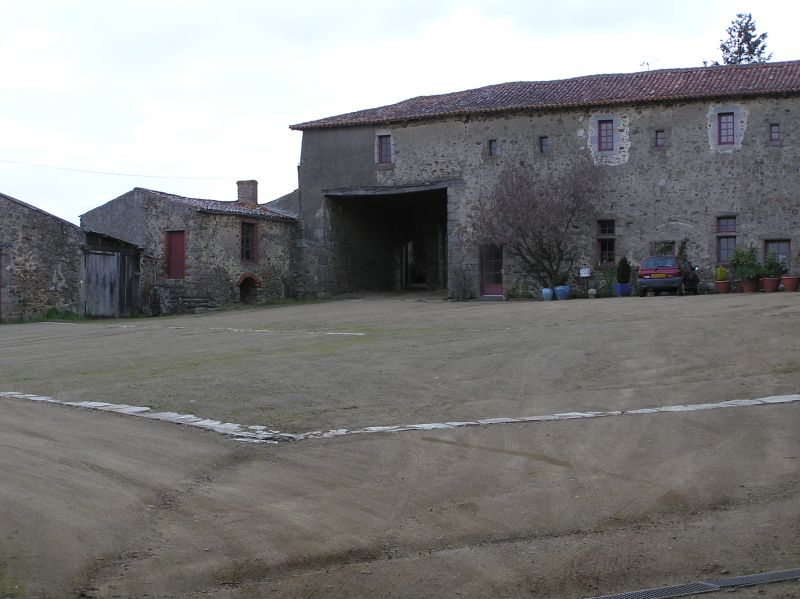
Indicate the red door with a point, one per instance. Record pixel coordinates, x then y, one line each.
176 254
492 270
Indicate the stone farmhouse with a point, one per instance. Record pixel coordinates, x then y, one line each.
710 155
198 253
47 262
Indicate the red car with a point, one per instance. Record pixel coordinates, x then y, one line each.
667 273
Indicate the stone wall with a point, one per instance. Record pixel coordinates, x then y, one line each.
41 262
654 194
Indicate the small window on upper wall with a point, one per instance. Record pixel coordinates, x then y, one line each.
544 144
493 147
661 138
775 133
383 149
725 129
605 135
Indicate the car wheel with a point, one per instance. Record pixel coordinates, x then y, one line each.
681 290
642 292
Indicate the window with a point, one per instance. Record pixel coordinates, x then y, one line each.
661 138
775 133
248 242
725 131
605 227
780 247
725 247
726 238
383 149
494 148
726 224
544 144
605 136
606 241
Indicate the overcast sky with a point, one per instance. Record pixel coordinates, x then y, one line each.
191 96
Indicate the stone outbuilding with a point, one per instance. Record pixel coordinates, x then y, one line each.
41 262
708 155
49 263
199 253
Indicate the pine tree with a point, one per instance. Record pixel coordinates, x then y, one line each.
743 45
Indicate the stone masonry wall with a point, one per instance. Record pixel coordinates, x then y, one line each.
41 262
653 194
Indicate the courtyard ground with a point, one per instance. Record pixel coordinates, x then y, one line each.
112 505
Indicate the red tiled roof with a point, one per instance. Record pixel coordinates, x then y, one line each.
771 78
219 207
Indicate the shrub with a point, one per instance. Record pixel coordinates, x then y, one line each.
745 264
623 271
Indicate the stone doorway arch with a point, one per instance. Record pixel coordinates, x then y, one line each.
249 285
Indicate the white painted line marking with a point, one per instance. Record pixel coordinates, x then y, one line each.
261 434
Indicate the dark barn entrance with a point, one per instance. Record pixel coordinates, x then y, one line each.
388 240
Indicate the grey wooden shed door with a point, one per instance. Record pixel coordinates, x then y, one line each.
102 284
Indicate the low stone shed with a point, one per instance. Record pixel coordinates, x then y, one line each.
199 252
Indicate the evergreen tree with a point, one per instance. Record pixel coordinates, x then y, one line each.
743 45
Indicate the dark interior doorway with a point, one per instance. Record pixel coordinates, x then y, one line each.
248 291
388 241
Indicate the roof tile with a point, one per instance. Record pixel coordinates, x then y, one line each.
594 90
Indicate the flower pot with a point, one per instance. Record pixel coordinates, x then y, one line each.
563 292
723 286
547 294
770 284
748 285
790 282
623 289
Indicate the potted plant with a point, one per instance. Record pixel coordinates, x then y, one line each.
623 287
563 290
790 282
721 280
772 271
746 268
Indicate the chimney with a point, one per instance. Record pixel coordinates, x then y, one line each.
248 192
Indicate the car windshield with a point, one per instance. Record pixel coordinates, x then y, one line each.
660 262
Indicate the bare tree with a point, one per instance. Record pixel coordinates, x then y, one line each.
540 221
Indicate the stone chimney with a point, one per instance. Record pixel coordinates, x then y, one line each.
248 192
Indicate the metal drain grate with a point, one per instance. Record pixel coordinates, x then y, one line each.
754 579
679 590
707 586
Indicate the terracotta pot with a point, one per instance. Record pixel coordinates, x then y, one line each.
770 284
723 286
748 285
790 283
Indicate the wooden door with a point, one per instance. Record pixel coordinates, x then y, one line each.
492 270
176 254
101 297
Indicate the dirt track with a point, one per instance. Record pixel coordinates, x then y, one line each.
121 506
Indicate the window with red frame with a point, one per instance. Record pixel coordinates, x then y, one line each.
725 129
605 136
384 149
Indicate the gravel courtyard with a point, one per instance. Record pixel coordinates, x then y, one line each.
123 506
